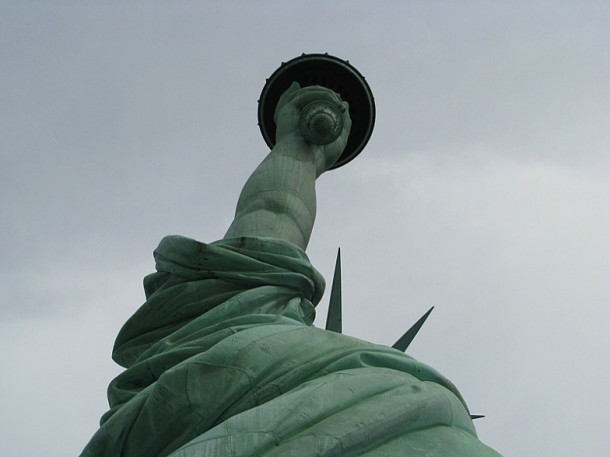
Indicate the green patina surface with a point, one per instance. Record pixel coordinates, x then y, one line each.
223 360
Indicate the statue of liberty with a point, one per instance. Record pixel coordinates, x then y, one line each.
223 360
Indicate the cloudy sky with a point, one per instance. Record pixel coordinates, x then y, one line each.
485 191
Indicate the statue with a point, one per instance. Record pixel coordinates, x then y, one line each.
223 360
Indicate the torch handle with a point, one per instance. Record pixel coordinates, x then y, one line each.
320 122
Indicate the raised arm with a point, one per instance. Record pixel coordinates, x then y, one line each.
279 198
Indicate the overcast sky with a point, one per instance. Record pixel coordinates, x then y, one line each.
485 191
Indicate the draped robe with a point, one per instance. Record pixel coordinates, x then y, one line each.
223 360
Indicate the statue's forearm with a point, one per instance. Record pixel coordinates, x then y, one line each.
279 198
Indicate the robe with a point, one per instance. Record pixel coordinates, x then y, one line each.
223 360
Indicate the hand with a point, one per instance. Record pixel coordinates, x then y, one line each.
287 115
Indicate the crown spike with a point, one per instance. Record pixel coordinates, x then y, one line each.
403 343
333 318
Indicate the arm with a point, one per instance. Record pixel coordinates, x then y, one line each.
279 198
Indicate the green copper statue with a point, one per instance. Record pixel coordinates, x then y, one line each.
222 359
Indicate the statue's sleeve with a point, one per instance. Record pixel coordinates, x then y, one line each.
194 278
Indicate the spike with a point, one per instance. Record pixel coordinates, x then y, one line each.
333 319
403 343
476 416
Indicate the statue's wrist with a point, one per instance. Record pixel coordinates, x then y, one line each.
292 139
295 146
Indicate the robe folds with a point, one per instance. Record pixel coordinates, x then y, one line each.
223 360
